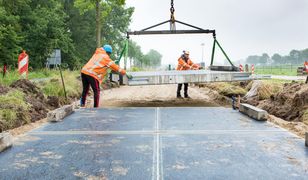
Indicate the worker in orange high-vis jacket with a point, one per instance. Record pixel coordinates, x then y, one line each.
95 71
184 63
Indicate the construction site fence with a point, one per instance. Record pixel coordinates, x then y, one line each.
283 69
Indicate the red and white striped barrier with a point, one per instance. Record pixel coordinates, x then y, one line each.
306 66
252 69
241 68
23 64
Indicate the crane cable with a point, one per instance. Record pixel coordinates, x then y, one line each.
172 18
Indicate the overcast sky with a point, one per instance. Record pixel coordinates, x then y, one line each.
244 27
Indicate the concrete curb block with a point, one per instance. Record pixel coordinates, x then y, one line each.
60 113
6 141
306 139
253 112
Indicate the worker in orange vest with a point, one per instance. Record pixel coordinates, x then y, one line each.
184 63
95 71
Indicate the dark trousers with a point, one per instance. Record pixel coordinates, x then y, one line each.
306 80
185 89
88 81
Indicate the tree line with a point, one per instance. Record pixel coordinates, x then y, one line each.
294 57
40 26
139 59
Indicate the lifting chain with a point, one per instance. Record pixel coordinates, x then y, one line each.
172 18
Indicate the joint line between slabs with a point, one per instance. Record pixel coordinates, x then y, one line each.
156 132
158 162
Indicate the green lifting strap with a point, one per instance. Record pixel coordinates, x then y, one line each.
126 53
124 50
213 52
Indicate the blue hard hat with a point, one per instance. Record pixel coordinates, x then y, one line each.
107 48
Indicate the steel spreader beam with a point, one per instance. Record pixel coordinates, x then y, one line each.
206 31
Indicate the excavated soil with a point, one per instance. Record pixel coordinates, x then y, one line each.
33 96
288 107
39 105
3 89
289 104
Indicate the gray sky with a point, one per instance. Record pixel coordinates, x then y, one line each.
244 27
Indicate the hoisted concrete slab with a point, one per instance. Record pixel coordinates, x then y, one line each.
190 76
156 143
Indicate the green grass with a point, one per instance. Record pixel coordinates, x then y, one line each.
227 89
14 111
13 76
287 70
8 119
54 86
13 100
11 104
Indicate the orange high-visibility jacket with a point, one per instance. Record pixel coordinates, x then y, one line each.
98 65
186 65
306 66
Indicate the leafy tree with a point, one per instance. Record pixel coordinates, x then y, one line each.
88 5
134 53
264 58
153 58
44 30
295 56
38 26
277 58
253 59
304 54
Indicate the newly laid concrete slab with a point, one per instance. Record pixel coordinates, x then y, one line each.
156 143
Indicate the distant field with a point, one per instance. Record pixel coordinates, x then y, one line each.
288 70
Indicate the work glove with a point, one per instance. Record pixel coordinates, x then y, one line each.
129 76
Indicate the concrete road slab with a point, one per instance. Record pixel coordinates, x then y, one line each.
210 118
107 120
79 156
234 156
156 143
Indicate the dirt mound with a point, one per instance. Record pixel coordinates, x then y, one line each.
226 89
53 101
290 103
252 96
28 88
39 105
258 91
24 102
3 89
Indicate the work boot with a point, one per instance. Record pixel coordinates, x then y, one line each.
186 96
179 96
